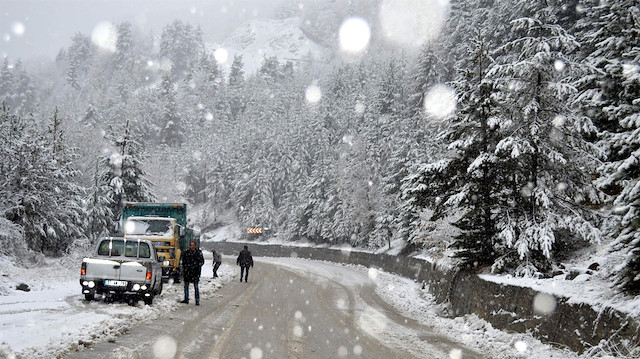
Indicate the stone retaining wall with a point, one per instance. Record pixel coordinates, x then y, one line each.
506 307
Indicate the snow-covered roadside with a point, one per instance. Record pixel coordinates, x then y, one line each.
414 302
53 317
577 283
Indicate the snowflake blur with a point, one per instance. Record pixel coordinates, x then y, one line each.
354 35
104 36
18 28
313 94
221 55
440 101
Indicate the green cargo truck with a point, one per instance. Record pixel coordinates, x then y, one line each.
165 225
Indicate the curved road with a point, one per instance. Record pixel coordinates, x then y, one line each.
288 309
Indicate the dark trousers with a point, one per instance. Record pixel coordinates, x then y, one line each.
244 271
215 268
196 289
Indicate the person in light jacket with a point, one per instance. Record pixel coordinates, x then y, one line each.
192 262
244 261
217 260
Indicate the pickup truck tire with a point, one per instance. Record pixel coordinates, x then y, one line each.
89 297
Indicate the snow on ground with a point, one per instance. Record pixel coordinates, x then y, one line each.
592 287
413 302
54 317
579 284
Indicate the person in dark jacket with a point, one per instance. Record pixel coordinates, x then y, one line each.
244 261
192 262
217 261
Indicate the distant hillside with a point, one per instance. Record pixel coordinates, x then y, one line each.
258 39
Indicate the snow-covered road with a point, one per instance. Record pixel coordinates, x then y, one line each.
53 318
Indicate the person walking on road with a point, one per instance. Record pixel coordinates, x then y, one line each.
217 260
244 261
192 262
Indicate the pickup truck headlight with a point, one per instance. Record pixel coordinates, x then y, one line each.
144 287
136 287
91 284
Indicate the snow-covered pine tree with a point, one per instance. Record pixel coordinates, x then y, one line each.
170 123
6 81
38 187
611 32
98 205
123 172
542 153
124 55
235 91
471 136
79 57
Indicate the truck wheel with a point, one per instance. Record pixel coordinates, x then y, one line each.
148 300
89 297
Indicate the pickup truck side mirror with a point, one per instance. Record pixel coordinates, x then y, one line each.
182 231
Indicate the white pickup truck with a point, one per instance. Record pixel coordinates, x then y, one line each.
122 267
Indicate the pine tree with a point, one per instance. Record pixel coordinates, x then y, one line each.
171 130
471 137
611 32
236 95
123 173
80 55
124 55
6 81
541 151
39 186
99 206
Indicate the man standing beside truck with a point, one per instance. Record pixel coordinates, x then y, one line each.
192 262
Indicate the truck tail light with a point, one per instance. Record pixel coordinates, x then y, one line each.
148 275
83 268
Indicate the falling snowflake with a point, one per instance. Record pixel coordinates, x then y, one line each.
104 36
165 347
18 28
313 94
521 346
544 303
440 101
354 35
455 354
221 55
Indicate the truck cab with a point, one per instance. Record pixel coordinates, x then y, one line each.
164 233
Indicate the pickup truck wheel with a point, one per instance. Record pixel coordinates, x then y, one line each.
89 297
148 300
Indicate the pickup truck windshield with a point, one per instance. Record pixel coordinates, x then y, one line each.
127 248
148 227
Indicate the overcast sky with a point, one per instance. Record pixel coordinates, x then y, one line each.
31 29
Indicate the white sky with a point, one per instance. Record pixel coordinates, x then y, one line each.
35 28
